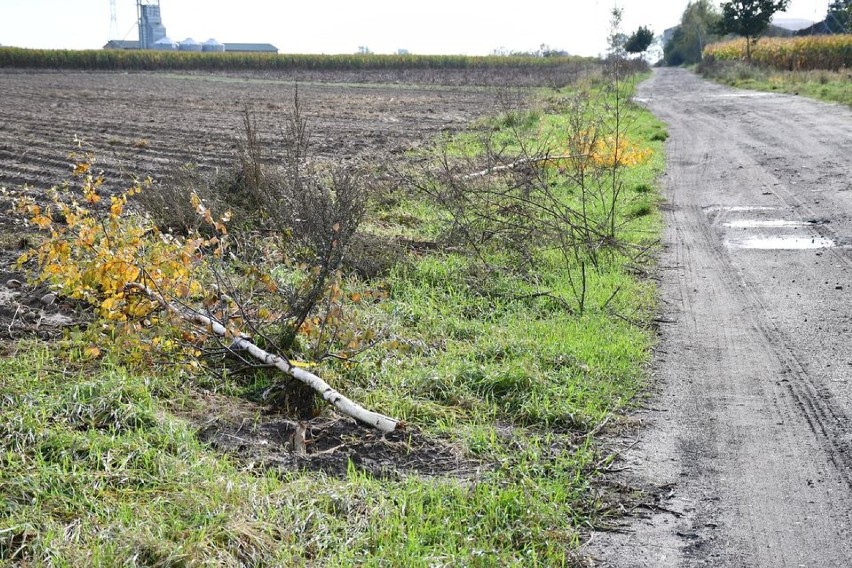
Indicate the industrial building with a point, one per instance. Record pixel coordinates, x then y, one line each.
152 35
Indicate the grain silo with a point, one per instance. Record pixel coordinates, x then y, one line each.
211 45
189 44
165 44
151 26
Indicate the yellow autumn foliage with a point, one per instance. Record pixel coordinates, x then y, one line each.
588 148
97 251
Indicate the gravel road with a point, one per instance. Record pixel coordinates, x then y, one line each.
747 439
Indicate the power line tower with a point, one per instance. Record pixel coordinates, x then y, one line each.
113 20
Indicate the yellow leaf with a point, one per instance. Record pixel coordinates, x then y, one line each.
92 352
42 221
116 208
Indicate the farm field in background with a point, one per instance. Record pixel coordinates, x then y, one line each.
151 60
830 53
819 67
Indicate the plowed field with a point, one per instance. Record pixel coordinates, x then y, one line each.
146 124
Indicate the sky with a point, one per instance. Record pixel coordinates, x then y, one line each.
473 27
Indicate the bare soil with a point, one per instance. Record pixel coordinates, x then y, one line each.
747 447
264 437
141 124
150 124
32 310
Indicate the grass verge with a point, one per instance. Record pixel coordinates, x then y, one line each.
97 467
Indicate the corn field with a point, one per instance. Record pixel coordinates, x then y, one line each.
142 60
809 53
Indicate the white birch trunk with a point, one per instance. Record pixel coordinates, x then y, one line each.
340 402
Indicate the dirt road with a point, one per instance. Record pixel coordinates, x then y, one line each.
748 439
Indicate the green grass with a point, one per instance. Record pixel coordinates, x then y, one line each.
829 86
97 467
97 471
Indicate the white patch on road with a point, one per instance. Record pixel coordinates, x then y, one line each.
789 242
755 223
738 208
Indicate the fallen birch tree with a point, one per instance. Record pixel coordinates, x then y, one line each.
516 165
243 342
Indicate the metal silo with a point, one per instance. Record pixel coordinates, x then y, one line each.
189 44
165 44
211 45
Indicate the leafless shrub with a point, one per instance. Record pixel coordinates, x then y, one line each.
168 202
525 196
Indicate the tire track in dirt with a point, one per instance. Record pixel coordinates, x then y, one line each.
816 403
751 427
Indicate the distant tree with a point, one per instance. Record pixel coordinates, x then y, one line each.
749 18
838 20
639 41
697 28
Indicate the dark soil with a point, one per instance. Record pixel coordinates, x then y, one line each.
262 437
150 124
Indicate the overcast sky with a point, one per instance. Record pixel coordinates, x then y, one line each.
474 27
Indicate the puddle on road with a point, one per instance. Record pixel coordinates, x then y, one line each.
784 242
756 223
